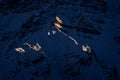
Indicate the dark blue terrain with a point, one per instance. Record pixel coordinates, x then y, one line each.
59 39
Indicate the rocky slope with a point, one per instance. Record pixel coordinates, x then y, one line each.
59 39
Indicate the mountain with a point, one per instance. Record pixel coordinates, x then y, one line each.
59 39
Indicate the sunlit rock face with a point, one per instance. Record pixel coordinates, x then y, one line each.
59 40
20 50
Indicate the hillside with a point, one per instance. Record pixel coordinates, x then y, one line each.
59 39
